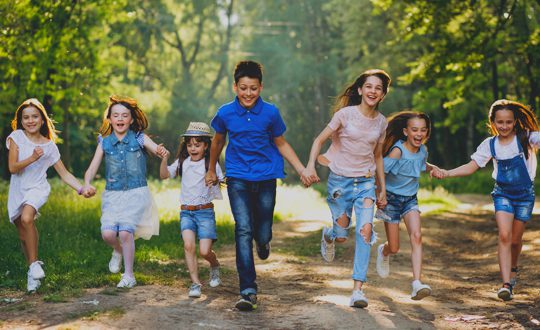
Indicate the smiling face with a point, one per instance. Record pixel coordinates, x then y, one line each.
120 118
31 120
196 148
504 123
248 90
416 132
372 91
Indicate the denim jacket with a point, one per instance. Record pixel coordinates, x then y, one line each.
125 162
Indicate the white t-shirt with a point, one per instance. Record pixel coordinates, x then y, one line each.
193 189
483 153
30 186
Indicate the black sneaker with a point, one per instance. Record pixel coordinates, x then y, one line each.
263 251
247 303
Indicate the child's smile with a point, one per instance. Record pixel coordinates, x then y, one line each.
31 120
248 91
196 149
120 118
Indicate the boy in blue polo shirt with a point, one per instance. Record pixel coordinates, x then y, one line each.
253 162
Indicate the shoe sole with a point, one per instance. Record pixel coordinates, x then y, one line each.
359 304
421 294
245 306
214 285
504 295
194 296
322 253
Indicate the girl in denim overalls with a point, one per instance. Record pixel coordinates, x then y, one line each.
354 158
197 216
405 158
127 207
515 139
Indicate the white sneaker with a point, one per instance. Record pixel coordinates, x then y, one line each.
126 282
32 284
383 262
195 290
214 277
358 299
505 293
115 264
36 271
328 249
419 290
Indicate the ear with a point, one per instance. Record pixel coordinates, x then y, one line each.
359 91
235 88
405 132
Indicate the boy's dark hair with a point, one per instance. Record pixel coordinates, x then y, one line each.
249 69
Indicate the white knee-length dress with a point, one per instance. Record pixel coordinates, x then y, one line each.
30 186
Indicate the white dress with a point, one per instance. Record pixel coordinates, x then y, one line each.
30 186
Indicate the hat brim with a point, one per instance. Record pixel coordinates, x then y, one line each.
196 133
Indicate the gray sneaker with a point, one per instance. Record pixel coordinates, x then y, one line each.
32 284
358 299
328 249
195 291
214 277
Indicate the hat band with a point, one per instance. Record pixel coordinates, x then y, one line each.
196 132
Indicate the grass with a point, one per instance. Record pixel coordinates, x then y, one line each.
75 256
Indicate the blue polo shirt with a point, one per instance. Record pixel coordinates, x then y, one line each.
251 153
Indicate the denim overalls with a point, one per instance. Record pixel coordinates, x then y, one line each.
514 190
125 162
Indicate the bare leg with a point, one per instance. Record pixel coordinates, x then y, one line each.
413 223
190 248
109 237
206 252
518 227
28 233
128 251
504 250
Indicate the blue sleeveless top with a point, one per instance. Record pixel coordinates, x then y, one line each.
402 174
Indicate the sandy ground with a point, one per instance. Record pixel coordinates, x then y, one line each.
298 292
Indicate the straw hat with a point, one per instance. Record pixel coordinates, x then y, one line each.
197 129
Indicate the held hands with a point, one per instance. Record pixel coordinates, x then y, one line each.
381 200
211 178
88 191
162 152
309 176
438 173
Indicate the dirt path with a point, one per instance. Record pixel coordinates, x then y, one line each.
299 291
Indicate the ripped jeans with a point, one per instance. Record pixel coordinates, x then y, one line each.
344 194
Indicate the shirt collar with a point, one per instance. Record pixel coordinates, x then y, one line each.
115 140
240 110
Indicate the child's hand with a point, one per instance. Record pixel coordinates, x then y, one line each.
381 200
309 176
162 152
438 173
88 191
211 178
38 152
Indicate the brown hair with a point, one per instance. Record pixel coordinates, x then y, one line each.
182 152
526 121
350 95
47 128
140 123
397 122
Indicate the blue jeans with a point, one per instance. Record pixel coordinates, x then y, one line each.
201 222
252 205
344 193
398 206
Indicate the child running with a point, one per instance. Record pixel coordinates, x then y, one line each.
126 201
197 217
354 158
32 150
515 138
405 158
253 162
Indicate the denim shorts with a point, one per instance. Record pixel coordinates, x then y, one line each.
201 222
519 204
344 193
398 206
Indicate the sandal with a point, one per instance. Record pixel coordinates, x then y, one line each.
505 293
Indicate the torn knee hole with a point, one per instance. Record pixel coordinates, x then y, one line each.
366 232
336 194
368 202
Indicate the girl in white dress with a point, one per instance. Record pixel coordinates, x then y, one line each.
32 150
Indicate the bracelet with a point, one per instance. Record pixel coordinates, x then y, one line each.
80 191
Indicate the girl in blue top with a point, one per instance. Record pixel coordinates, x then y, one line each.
405 158
512 148
126 202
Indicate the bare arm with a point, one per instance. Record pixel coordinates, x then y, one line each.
310 172
288 153
163 170
94 166
67 177
218 142
379 171
16 166
463 170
